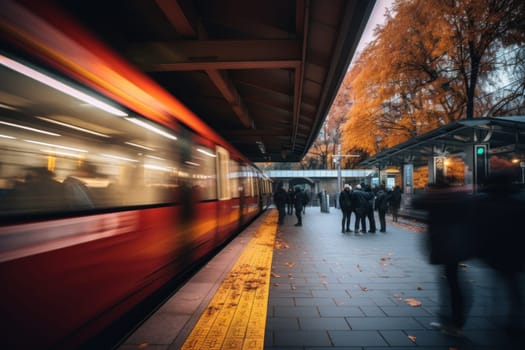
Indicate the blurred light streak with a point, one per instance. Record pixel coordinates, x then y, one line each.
57 146
57 85
151 128
139 146
30 129
119 158
73 127
206 152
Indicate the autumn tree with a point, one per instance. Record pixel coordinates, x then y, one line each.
319 156
433 62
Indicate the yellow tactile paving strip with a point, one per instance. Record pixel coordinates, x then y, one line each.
236 316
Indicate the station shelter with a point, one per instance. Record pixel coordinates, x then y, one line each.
466 151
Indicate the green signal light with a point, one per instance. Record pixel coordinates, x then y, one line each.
480 150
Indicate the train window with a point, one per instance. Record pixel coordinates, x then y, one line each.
234 176
65 148
223 173
204 176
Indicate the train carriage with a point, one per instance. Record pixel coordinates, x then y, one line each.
109 187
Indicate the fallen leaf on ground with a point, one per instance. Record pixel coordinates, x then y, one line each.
276 275
413 302
412 338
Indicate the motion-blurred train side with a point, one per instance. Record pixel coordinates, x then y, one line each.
109 187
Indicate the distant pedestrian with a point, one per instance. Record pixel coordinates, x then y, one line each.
381 205
345 202
306 199
298 203
395 202
370 207
279 199
359 203
289 201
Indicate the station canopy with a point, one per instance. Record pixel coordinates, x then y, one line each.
263 74
504 135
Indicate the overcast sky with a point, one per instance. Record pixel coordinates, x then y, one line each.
376 17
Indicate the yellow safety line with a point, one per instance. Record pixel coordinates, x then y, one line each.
236 316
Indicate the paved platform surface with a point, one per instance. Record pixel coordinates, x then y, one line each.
330 290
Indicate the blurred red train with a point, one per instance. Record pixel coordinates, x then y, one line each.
109 187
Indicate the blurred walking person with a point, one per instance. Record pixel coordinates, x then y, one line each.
299 203
279 199
450 240
395 202
289 201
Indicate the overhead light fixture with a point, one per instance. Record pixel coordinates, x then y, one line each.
119 158
139 146
154 157
151 128
50 151
29 128
74 127
209 154
57 146
192 163
7 137
57 85
7 107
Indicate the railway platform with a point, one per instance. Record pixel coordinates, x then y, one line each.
313 287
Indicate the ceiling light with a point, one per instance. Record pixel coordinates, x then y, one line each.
119 158
55 84
50 151
206 152
30 129
139 146
151 128
72 126
57 146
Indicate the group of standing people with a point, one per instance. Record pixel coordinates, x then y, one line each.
286 201
363 201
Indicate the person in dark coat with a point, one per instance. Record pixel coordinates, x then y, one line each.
279 199
450 240
290 201
299 203
395 202
359 203
370 206
499 210
345 202
381 206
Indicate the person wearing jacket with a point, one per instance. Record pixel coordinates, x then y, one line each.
381 205
359 202
279 199
345 202
299 198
